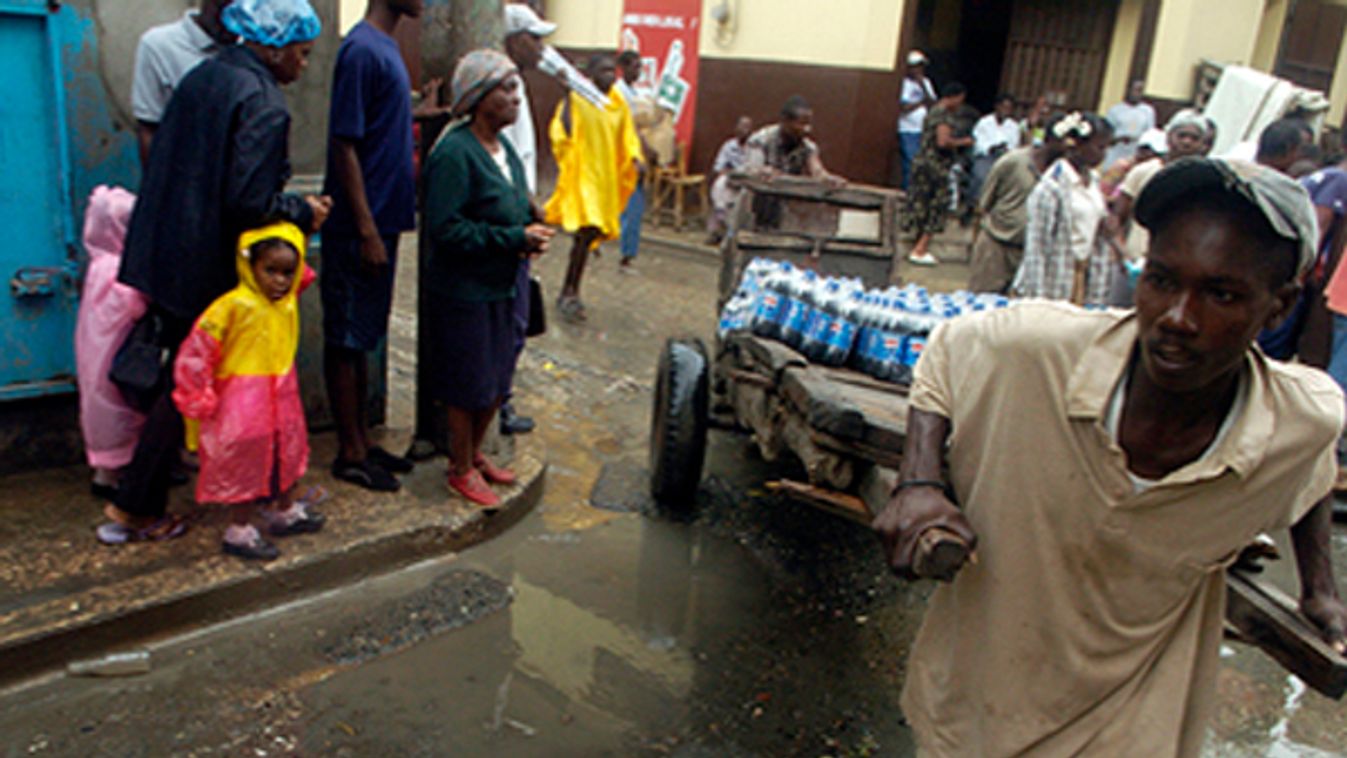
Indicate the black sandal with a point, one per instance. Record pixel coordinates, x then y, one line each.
393 464
366 474
257 550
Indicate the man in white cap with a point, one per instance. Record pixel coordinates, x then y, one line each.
524 33
918 95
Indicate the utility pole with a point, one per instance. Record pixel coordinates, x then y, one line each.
450 29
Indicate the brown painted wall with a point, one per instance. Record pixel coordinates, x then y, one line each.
855 111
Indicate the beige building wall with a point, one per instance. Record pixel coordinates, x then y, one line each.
1337 95
1269 38
1224 31
857 33
1126 28
349 13
585 23
849 33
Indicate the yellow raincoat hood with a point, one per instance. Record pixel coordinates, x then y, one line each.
245 342
263 335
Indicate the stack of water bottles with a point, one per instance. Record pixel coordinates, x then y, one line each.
838 322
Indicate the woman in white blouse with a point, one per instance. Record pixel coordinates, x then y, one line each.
1070 250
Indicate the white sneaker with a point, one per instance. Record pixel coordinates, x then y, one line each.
925 259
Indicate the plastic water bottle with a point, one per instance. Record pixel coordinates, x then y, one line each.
827 324
842 333
864 319
770 304
890 343
798 307
736 314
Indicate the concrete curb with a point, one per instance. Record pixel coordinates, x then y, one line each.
438 530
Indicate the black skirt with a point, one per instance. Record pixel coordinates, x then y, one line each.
473 362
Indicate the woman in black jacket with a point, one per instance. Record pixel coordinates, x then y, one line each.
217 167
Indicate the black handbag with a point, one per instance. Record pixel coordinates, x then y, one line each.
138 368
537 315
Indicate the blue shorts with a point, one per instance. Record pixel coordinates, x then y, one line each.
355 304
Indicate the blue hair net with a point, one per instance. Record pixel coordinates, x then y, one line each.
274 23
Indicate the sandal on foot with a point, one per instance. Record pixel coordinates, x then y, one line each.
474 488
493 473
571 309
257 550
306 522
366 474
393 464
166 528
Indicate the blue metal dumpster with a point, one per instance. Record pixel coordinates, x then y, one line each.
38 259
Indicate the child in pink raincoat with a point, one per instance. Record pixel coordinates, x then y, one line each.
235 382
108 310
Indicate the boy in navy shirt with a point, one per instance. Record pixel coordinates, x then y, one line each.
370 178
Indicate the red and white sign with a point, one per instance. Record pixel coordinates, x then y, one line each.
666 33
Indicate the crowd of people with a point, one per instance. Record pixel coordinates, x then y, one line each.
1162 442
189 327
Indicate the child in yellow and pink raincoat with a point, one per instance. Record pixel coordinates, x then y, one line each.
235 382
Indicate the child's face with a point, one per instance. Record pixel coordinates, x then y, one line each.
274 267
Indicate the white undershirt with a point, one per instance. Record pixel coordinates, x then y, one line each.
1113 419
502 162
1088 209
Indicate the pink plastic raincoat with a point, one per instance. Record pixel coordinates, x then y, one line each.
235 375
108 310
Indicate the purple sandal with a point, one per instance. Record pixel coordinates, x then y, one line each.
166 528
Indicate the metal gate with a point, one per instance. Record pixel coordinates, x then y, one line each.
1059 47
38 259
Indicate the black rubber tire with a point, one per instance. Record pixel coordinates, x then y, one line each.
679 423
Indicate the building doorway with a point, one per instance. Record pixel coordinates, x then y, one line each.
1024 47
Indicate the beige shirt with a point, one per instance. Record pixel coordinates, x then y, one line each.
1138 238
1092 620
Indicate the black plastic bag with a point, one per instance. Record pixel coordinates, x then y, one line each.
138 368
537 316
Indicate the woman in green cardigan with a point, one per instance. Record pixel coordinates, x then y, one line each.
481 229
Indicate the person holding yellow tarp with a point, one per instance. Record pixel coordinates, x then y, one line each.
599 158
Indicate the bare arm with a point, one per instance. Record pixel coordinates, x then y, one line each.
144 135
914 509
352 181
1319 599
1122 209
817 171
945 139
1325 218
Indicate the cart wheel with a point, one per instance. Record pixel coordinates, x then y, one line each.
678 427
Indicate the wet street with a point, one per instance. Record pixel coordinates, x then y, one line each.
596 626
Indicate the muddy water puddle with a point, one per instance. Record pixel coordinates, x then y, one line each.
645 636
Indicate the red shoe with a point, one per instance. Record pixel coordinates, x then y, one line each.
493 473
474 488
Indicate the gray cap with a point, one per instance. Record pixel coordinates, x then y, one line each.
1281 199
